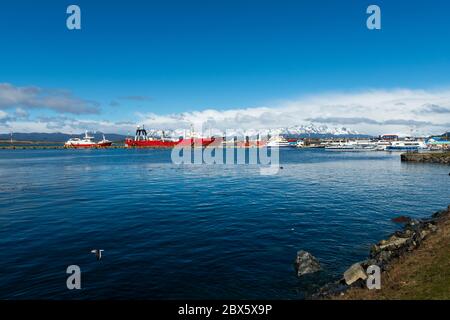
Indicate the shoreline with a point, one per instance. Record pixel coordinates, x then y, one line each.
442 157
414 263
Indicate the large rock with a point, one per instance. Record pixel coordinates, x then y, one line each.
354 273
306 263
383 253
393 243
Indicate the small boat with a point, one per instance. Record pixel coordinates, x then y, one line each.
104 142
87 142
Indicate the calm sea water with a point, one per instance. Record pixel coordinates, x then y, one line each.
197 231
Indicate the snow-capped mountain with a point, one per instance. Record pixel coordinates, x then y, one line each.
300 131
294 131
312 129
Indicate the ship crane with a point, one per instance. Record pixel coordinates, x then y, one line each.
141 134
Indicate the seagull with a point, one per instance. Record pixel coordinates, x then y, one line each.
98 253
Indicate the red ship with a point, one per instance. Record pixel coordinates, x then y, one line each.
142 140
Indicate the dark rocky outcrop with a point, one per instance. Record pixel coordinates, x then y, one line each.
306 263
432 157
385 252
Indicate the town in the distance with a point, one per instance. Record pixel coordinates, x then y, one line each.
332 139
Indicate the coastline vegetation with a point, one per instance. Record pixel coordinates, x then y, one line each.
423 274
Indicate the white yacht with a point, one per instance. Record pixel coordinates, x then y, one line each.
407 145
278 141
300 144
383 144
353 145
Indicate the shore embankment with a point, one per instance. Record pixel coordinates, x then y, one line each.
428 157
52 147
415 264
62 147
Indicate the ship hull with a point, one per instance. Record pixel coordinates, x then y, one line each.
167 144
89 146
150 144
104 144
81 146
402 149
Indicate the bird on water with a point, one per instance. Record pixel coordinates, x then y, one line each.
98 253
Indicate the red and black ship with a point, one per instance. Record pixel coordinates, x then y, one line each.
142 140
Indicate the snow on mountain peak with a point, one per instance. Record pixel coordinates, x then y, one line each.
286 131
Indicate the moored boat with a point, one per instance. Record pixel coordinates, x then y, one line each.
279 142
383 144
300 144
363 145
104 142
407 145
143 140
87 142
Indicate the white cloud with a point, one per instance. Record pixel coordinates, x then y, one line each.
3 115
60 101
372 112
65 125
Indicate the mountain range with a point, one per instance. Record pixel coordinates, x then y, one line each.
300 131
57 136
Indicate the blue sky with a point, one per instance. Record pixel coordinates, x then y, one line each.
134 60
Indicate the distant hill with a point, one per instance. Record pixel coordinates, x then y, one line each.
299 131
58 136
63 137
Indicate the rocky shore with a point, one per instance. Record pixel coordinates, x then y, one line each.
431 157
387 253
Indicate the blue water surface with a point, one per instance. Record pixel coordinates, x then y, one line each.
197 232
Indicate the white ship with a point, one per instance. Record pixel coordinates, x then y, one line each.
279 142
300 144
407 145
87 142
353 145
383 144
